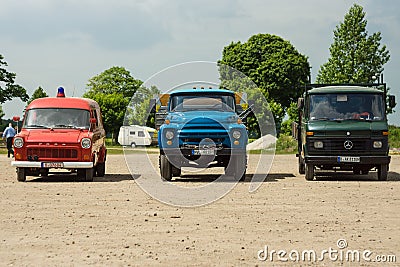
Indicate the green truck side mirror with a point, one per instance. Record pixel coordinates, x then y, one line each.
392 101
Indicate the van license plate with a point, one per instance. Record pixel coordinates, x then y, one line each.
348 159
203 152
52 165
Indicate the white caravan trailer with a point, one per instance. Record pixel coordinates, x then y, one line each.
135 135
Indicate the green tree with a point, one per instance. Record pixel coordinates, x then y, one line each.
39 93
1 113
138 110
8 88
113 90
355 56
273 64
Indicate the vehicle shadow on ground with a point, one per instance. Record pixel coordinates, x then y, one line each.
70 178
350 177
204 178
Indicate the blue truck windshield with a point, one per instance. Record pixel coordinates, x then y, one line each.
346 107
202 102
57 118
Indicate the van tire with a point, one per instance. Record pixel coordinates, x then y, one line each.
21 174
165 168
101 169
133 145
89 173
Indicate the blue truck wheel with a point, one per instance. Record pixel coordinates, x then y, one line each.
165 168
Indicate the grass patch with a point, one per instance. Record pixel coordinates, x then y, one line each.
394 136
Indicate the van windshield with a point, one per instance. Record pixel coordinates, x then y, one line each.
202 102
57 118
346 107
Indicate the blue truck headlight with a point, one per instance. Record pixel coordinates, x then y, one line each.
18 142
236 134
377 144
169 134
319 144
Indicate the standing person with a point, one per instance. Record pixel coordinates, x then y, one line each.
9 134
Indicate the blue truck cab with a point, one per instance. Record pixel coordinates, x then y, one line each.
201 128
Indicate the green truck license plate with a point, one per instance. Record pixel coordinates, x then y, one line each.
349 159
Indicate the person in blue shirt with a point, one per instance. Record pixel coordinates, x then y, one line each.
9 134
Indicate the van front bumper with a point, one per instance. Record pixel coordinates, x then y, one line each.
39 164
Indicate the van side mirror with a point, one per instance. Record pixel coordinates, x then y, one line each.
392 101
300 103
93 120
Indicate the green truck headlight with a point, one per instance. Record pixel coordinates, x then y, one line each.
377 144
319 144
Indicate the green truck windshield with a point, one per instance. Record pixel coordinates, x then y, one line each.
346 107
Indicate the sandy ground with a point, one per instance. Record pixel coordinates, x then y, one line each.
58 221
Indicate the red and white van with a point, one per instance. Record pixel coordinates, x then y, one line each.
61 132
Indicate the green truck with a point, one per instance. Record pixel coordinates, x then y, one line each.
343 128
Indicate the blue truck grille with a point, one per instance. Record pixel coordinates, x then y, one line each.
193 135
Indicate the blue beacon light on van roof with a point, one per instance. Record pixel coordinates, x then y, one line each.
60 92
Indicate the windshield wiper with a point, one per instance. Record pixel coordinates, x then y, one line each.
65 126
321 119
37 126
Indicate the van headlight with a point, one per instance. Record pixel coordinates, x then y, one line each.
377 144
18 142
86 142
236 134
169 134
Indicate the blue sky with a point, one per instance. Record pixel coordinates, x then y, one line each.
49 43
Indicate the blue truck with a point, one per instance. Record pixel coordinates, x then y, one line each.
201 128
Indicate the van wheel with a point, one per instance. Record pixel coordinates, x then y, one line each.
165 168
101 169
383 172
133 145
309 172
21 174
89 174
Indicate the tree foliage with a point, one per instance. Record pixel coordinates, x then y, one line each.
1 113
39 93
113 90
138 109
355 56
8 88
273 64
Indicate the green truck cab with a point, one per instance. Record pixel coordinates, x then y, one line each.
343 128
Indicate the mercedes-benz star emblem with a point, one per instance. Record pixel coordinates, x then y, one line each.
348 144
